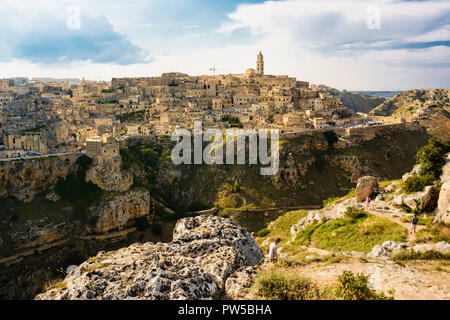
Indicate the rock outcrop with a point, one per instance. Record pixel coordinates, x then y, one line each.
24 178
205 252
443 207
365 187
418 200
115 212
107 174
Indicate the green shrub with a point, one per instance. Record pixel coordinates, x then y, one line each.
236 187
326 202
263 232
331 137
354 287
354 213
417 183
431 157
280 286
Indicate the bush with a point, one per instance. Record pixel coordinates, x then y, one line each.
354 213
331 137
236 187
417 183
263 232
326 202
354 287
431 157
280 286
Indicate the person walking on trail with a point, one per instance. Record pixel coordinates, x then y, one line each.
367 202
273 250
414 222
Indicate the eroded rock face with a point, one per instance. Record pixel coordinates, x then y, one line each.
116 212
443 207
418 200
107 174
23 179
365 187
205 252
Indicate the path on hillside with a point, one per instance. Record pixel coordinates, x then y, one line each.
409 236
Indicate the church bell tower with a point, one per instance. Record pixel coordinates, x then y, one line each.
260 64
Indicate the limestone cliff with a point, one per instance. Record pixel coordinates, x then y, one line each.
430 107
443 209
205 252
107 174
23 179
311 169
116 210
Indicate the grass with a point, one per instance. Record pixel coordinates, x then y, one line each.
360 234
433 232
281 285
408 255
280 228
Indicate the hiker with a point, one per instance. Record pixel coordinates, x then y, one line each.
414 222
273 250
367 202
253 234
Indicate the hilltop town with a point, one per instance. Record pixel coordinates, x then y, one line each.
50 116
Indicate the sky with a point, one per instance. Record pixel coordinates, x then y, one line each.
348 44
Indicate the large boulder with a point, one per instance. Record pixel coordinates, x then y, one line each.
313 217
443 205
205 252
365 187
419 200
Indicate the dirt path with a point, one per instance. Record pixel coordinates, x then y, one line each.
409 236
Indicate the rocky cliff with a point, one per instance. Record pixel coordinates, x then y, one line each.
360 102
311 169
115 211
204 253
430 107
106 173
23 179
443 208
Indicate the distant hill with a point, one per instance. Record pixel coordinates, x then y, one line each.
357 101
430 107
384 94
360 102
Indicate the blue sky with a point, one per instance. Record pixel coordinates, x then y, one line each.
351 44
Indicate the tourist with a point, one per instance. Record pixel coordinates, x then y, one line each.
367 202
273 250
414 222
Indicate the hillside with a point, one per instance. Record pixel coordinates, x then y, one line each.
61 219
430 107
360 102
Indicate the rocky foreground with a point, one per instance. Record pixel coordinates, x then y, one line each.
206 251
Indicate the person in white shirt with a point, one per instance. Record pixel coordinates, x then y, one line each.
273 250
